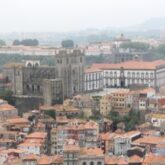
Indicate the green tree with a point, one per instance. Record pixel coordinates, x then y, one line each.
16 42
8 96
2 43
67 44
130 120
161 49
51 113
115 117
26 42
135 45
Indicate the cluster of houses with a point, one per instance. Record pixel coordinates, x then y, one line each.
70 133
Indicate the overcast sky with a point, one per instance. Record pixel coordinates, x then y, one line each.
69 15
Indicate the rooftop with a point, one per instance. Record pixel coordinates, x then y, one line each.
91 70
138 65
6 107
37 135
93 151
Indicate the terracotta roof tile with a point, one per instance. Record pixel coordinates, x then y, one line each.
138 65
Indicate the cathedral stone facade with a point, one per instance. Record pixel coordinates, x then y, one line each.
28 78
70 66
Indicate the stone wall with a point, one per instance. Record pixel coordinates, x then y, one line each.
25 104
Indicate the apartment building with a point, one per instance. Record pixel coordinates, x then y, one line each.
105 105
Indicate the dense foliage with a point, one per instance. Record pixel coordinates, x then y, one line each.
67 44
159 52
7 95
140 46
130 120
50 113
2 43
26 42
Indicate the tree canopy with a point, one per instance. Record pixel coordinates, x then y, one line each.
135 45
67 44
2 43
7 95
26 42
130 120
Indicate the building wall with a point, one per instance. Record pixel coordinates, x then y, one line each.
125 78
160 77
8 114
70 65
105 105
122 145
53 91
95 160
27 79
93 81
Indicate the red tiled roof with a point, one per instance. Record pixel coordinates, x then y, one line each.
139 65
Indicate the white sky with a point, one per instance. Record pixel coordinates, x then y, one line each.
66 15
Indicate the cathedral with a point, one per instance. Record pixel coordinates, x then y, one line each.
27 78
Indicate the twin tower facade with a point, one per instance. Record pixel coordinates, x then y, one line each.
63 80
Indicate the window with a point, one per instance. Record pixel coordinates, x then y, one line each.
98 163
111 74
33 88
84 163
115 74
142 75
29 64
128 74
133 75
106 74
81 59
91 163
38 88
67 60
27 87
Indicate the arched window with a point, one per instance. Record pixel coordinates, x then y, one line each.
99 163
29 64
36 64
91 163
84 163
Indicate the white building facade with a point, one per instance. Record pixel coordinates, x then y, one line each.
93 80
125 74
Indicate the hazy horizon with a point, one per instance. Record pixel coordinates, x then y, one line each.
75 15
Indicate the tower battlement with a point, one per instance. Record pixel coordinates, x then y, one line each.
71 52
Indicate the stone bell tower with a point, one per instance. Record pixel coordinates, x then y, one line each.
70 66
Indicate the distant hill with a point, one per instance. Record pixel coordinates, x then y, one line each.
153 24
